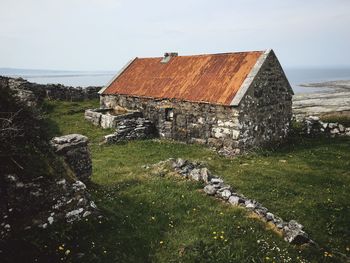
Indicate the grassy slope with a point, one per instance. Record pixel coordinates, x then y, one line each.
170 220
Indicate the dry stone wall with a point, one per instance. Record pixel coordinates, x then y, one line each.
292 231
33 93
131 129
74 149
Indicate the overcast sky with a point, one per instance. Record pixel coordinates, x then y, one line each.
105 34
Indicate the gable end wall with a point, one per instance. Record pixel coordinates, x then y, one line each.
265 111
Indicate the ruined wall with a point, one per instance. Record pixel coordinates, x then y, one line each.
202 123
33 93
266 109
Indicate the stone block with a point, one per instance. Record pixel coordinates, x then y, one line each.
74 149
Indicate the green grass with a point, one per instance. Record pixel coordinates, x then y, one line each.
168 219
340 117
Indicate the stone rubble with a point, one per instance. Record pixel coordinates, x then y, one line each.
107 120
292 231
63 200
131 129
312 125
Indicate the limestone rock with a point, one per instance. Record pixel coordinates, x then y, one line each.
210 189
74 149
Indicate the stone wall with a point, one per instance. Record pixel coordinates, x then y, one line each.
106 120
132 129
266 109
204 123
74 149
34 93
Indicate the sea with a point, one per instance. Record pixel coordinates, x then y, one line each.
296 77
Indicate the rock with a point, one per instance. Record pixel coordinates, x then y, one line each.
180 162
93 205
225 194
334 131
261 211
235 200
210 189
332 125
78 186
86 213
74 215
50 220
341 128
205 174
269 216
195 175
295 225
74 149
294 234
250 204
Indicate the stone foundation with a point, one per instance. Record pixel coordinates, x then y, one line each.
74 149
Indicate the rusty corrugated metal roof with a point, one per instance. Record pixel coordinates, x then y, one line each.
201 78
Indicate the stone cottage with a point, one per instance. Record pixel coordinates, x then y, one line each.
232 101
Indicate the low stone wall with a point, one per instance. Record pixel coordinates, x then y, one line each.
102 117
312 125
74 149
292 231
33 93
131 129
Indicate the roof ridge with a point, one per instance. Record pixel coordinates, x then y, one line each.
207 54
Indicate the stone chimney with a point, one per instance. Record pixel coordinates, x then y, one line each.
168 56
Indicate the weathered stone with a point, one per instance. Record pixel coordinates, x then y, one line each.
296 236
195 175
210 189
269 216
205 174
131 129
235 200
74 149
225 194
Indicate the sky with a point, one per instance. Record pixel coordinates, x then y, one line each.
106 34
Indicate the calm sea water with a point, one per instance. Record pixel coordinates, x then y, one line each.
296 77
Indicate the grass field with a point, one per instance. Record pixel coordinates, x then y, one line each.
154 219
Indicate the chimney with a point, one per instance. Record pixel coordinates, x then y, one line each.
168 56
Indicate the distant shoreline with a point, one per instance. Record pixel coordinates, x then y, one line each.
335 98
336 85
